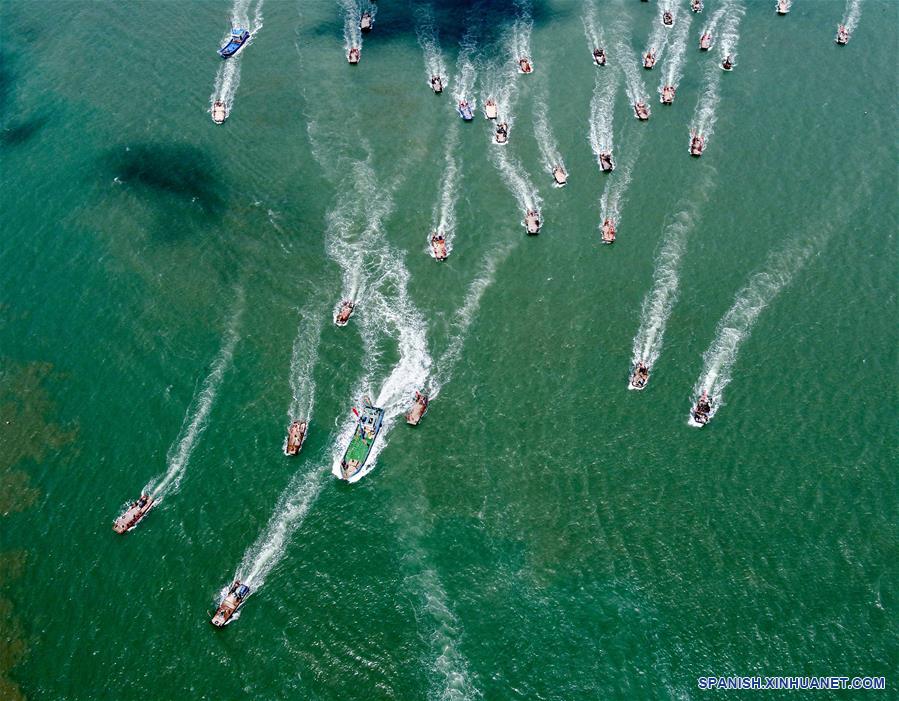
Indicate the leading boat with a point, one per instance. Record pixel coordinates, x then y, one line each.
219 112
134 514
608 231
697 143
842 35
352 464
233 600
532 222
639 377
438 246
239 39
783 7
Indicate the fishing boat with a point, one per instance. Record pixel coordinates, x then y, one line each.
524 65
697 143
366 21
239 38
842 35
490 109
639 377
727 64
219 112
705 42
352 464
438 246
354 55
296 436
345 312
606 164
667 96
465 111
560 176
436 84
532 222
641 111
233 600
649 59
608 231
696 5
599 56
134 514
783 7
418 410
667 19
702 412
502 134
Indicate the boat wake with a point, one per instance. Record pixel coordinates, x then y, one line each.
711 27
674 67
517 181
706 111
302 365
352 34
631 67
198 412
730 31
227 79
592 30
443 219
852 14
613 196
549 147
658 37
520 36
466 70
429 41
602 111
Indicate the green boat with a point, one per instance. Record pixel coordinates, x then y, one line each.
352 465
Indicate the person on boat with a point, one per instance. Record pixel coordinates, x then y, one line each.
667 19
727 63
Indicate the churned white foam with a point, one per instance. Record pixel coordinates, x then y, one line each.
614 195
443 219
592 29
519 42
302 365
549 148
852 14
227 78
631 66
465 69
352 34
429 41
711 26
602 111
730 31
659 35
517 180
706 111
673 69
198 412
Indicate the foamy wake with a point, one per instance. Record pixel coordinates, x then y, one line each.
852 14
198 412
631 66
613 196
658 36
517 181
549 148
520 36
711 26
466 70
443 219
352 35
674 68
730 31
227 79
429 41
602 111
706 111
592 29
302 365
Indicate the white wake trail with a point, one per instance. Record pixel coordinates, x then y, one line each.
613 196
631 66
352 34
227 79
517 181
592 29
549 147
519 44
852 14
658 36
711 26
429 41
730 31
673 69
198 412
466 70
302 365
602 111
443 219
706 113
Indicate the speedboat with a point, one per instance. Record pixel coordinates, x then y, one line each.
697 143
783 7
667 95
239 38
490 109
133 514
842 35
639 377
599 56
296 435
667 19
465 111
641 110
702 412
233 600
532 222
438 246
365 22
418 410
368 427
354 55
649 59
560 176
696 5
502 133
608 231
345 312
219 113
727 64
524 65
705 42
436 84
606 164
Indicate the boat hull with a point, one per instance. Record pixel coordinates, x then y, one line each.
361 449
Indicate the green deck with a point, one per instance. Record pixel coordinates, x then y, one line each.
358 448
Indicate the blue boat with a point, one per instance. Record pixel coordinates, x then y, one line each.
353 464
239 37
465 111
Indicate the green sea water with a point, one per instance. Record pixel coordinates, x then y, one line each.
168 287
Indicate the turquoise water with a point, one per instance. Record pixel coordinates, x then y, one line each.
168 290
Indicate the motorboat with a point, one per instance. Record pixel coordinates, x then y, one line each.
559 175
641 110
438 246
436 84
133 514
667 95
234 599
354 55
606 164
608 231
696 5
697 143
238 39
490 109
649 59
465 111
366 21
524 65
532 222
502 133
702 412
296 435
418 410
345 312
599 56
219 112
368 426
668 19
639 377
705 42
783 7
842 35
727 64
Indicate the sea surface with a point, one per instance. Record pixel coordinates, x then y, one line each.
167 290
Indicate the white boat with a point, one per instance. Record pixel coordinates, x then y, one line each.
783 7
702 411
560 176
532 222
490 109
219 112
